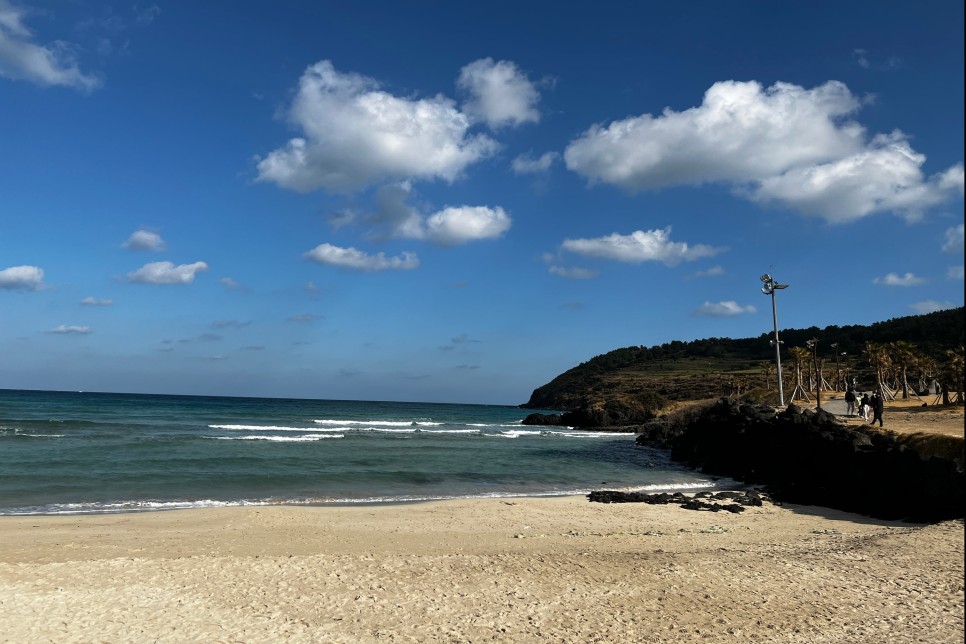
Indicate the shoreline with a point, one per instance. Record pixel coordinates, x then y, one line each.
523 570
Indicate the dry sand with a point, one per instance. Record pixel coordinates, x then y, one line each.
521 570
505 570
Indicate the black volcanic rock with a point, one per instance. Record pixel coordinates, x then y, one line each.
811 458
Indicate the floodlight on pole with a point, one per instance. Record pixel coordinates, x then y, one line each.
769 288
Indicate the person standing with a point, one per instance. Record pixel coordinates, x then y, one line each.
878 406
864 407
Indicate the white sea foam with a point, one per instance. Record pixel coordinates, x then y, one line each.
279 439
264 428
380 423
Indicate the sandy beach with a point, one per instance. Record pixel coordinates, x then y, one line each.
510 570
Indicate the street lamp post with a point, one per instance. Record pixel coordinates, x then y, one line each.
769 288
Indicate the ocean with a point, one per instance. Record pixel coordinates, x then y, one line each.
78 452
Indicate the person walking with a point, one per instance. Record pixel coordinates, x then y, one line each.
878 406
850 403
864 407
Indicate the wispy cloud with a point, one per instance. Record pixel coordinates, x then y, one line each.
21 58
66 329
728 308
359 260
714 271
640 246
526 164
931 306
893 279
574 273
94 301
166 273
954 240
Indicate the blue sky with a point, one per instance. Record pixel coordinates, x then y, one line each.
418 201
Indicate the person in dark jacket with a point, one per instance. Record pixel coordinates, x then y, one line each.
878 405
850 403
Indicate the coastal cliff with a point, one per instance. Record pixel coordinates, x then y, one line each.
809 457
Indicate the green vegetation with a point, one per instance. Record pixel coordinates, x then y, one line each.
903 353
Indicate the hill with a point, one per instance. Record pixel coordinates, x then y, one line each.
635 381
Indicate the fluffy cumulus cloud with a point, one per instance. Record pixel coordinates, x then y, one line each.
499 93
640 246
462 224
22 278
354 135
166 273
23 59
144 240
451 226
894 279
359 260
725 309
799 147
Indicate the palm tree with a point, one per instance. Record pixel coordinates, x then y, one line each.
878 359
903 355
767 367
952 374
800 356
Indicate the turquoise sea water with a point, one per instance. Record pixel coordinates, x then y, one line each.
69 452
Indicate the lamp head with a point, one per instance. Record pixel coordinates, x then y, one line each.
766 278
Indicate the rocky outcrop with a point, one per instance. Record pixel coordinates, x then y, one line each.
542 419
811 458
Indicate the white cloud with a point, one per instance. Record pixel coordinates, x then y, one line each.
785 143
884 177
893 279
500 94
72 328
355 135
931 306
46 65
723 309
574 273
166 273
954 240
640 246
714 271
144 240
955 273
451 226
463 224
94 301
358 260
24 278
525 164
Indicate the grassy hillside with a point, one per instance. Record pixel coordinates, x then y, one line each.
647 378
